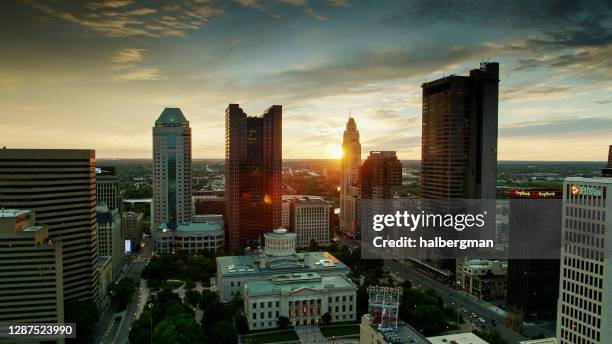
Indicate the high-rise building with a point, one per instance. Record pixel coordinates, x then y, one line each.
107 187
171 169
110 239
253 167
459 135
59 185
349 183
132 227
309 218
381 175
584 312
31 286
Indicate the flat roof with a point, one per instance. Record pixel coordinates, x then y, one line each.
6 212
199 227
600 180
458 338
282 283
247 264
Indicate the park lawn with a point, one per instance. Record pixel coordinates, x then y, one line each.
337 331
281 336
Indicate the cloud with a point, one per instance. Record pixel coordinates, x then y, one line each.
340 3
315 15
128 55
125 18
538 92
568 126
294 2
142 74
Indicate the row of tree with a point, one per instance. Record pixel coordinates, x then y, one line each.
181 266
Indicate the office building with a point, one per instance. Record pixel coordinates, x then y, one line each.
459 135
105 271
533 284
60 187
584 312
253 167
107 187
277 257
132 227
171 169
381 176
110 239
309 218
349 182
204 233
458 338
206 203
302 297
31 286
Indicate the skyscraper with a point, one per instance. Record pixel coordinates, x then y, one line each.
171 169
253 167
349 183
584 311
107 187
59 185
110 239
459 135
381 175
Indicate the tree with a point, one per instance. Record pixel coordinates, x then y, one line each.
141 329
235 305
193 297
178 329
223 332
491 337
121 292
326 318
242 324
283 322
208 297
85 314
213 313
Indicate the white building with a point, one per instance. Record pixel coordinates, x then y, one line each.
278 257
171 169
309 217
483 278
458 338
110 239
205 235
584 312
372 333
301 297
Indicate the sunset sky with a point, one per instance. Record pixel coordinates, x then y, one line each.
97 74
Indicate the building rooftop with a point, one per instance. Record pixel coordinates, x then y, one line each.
5 212
171 116
249 264
200 227
459 338
295 282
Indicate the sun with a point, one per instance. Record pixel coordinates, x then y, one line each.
335 152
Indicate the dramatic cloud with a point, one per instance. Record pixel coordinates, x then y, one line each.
128 55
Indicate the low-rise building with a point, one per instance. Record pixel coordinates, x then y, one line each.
372 333
458 338
483 278
31 281
278 257
301 297
205 233
105 270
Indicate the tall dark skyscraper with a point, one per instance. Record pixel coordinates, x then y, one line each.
459 139
253 168
60 186
381 175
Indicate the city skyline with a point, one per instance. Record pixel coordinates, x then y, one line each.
94 75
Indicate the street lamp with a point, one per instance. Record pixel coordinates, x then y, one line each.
151 323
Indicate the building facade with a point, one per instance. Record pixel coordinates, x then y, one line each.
31 286
349 182
107 187
277 257
484 278
381 175
253 167
584 310
459 135
59 185
302 297
310 219
132 226
110 239
171 169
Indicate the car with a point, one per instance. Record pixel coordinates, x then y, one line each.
482 321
